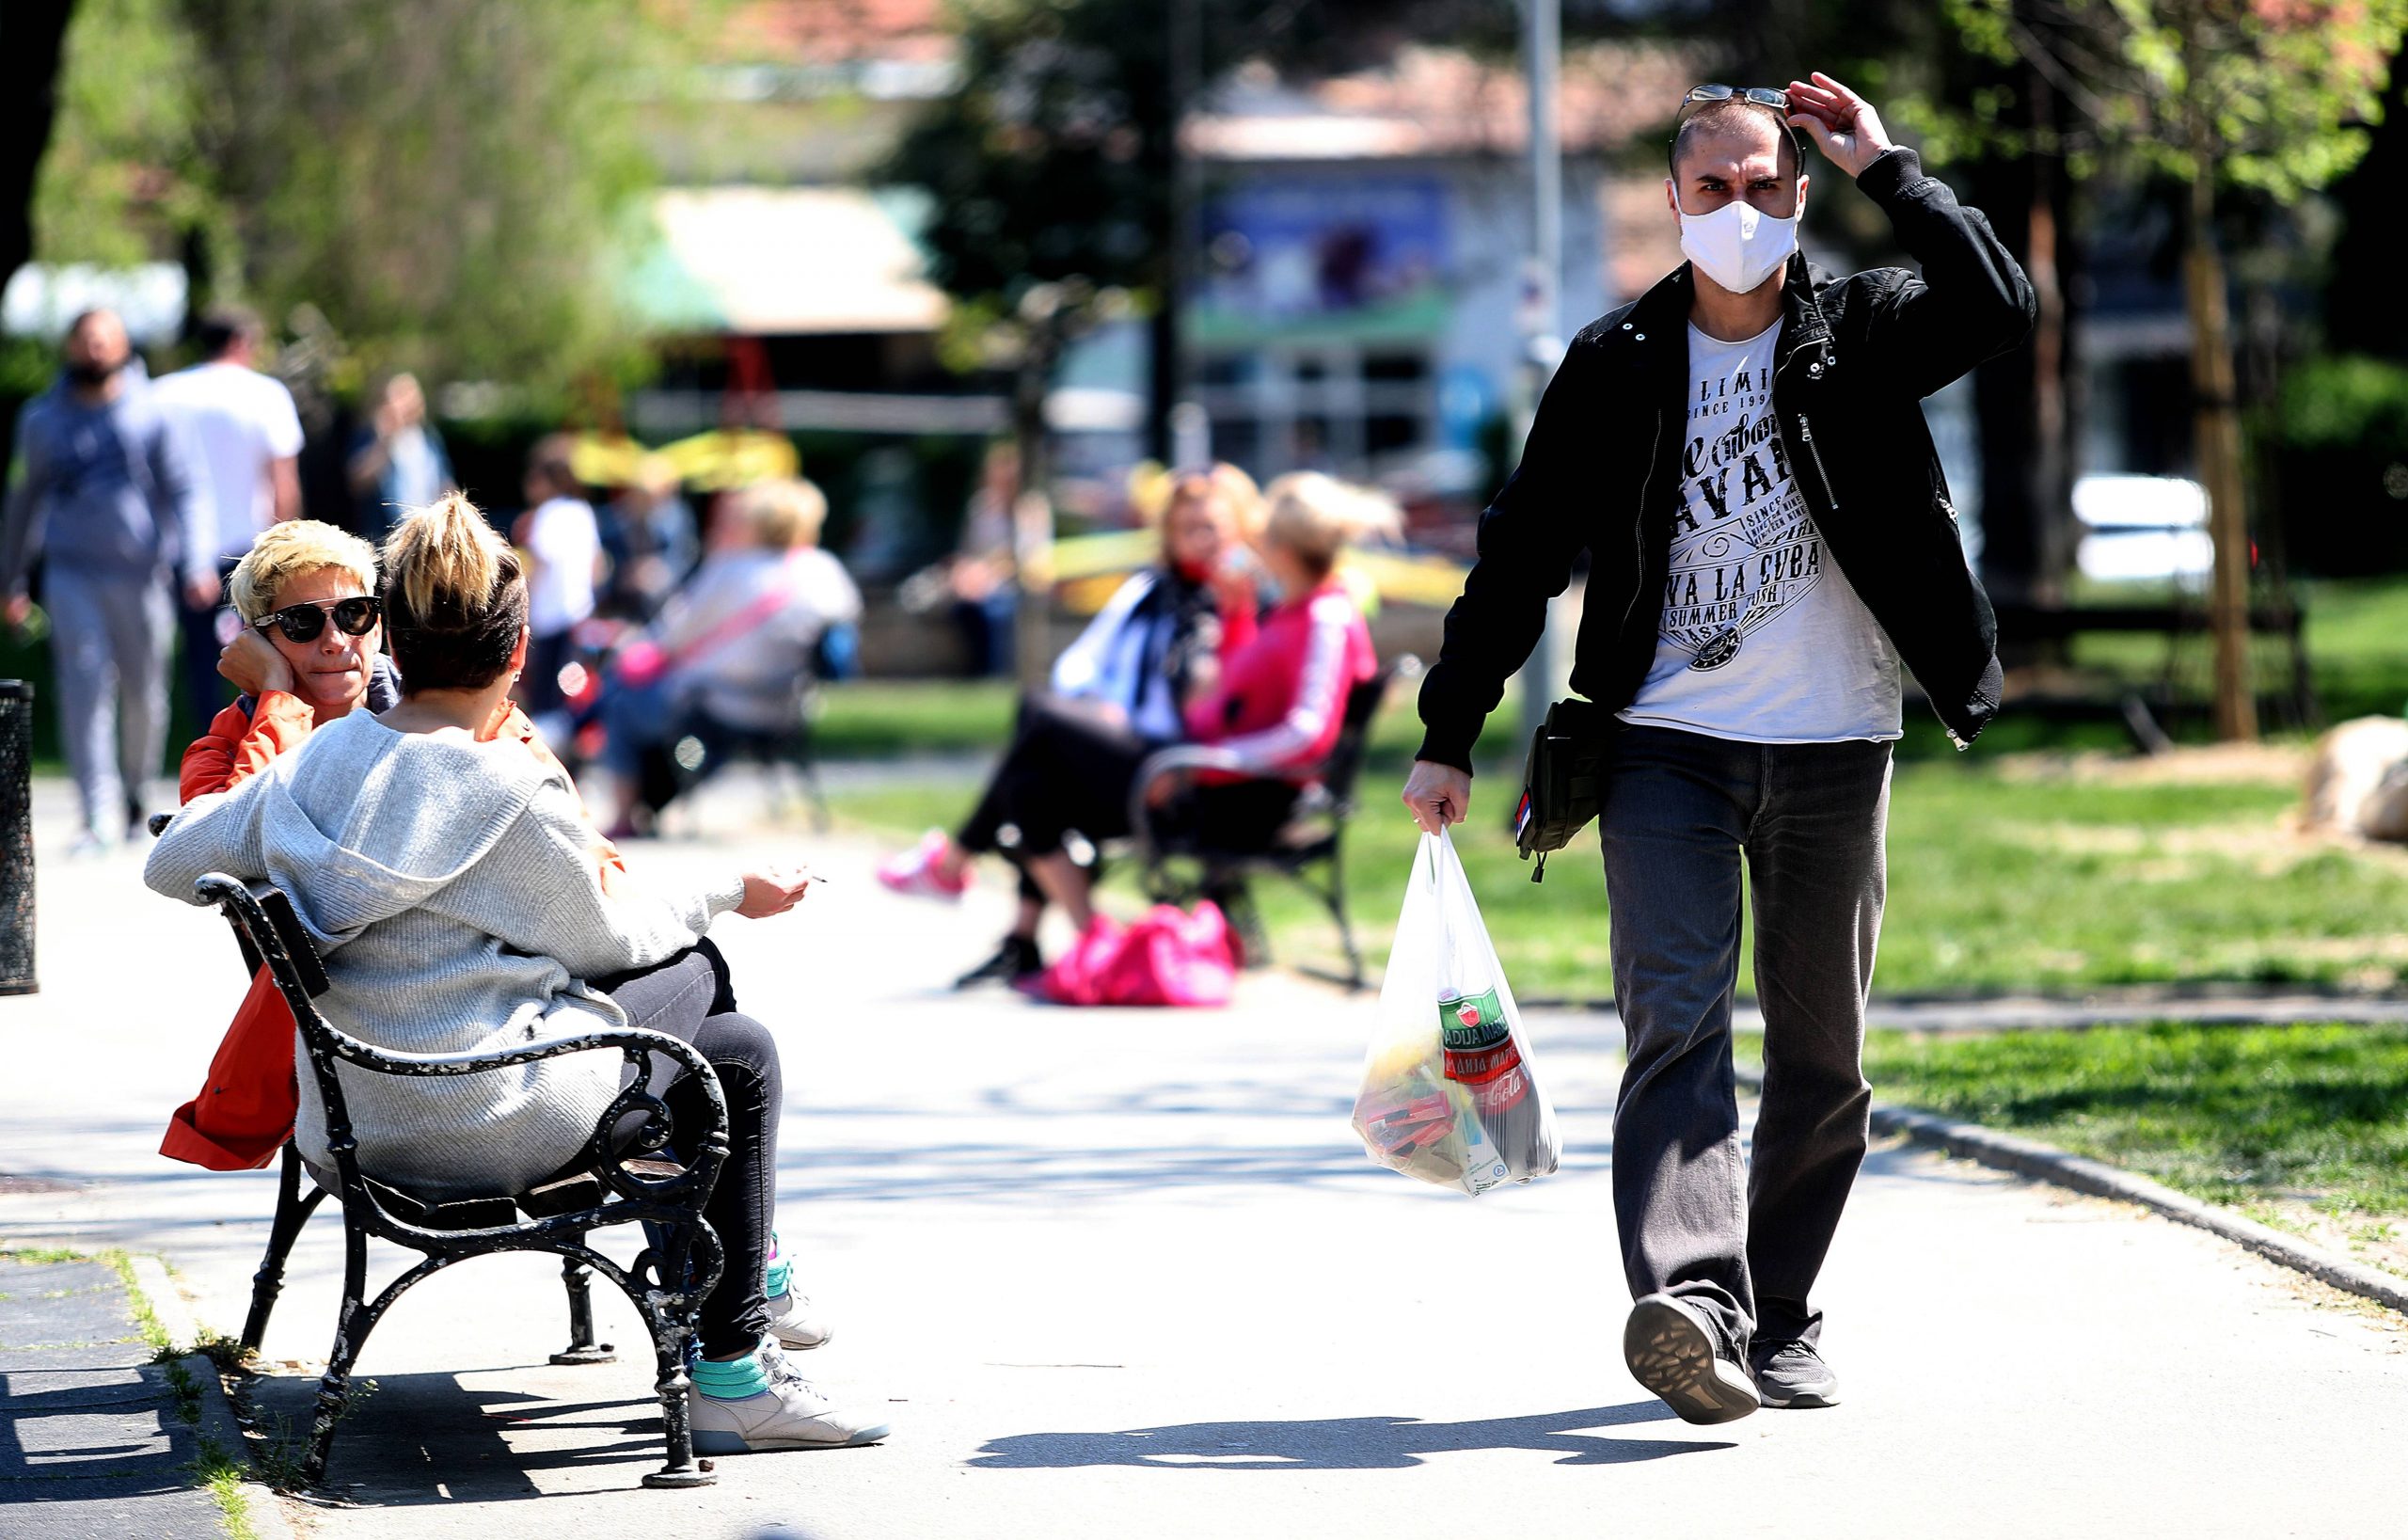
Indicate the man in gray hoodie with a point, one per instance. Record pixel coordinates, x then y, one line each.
108 498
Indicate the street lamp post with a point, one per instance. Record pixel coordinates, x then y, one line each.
1541 321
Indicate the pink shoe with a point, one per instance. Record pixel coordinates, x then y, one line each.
915 870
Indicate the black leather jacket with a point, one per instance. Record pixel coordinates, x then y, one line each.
1602 467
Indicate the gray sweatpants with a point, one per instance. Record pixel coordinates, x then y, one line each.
1743 1243
110 640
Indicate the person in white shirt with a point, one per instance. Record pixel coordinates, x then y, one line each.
242 430
558 532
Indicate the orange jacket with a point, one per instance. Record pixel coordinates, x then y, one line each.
243 1114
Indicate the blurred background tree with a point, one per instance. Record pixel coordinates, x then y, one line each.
2270 99
451 184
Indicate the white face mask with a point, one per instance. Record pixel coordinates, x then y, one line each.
1737 245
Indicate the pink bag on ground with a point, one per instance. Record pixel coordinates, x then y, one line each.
1167 959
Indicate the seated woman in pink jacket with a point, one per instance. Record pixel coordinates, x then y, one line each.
1273 701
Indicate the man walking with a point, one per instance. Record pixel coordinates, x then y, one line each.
1742 453
107 494
246 436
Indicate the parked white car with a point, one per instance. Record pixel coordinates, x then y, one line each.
2142 527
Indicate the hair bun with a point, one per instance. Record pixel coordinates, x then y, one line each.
445 561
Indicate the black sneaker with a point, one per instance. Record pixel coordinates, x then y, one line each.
1675 1353
1015 960
1794 1375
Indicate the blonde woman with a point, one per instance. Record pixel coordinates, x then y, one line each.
451 883
731 651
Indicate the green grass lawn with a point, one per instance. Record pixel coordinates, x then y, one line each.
2313 1115
2357 647
2002 876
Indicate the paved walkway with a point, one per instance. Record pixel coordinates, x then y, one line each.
1128 1273
92 1442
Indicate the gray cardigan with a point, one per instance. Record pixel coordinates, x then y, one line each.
454 890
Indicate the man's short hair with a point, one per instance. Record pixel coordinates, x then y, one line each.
223 325
285 552
784 513
1720 116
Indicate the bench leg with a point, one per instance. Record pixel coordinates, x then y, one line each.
1336 898
351 1329
293 1211
581 1347
673 1331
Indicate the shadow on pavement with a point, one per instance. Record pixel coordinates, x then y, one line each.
428 1438
1342 1444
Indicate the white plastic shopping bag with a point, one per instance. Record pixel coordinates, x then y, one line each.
1449 1096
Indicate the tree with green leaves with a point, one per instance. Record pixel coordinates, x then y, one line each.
449 184
2268 97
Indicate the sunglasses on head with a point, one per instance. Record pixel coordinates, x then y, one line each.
354 616
1698 98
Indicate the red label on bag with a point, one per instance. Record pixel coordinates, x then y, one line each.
1477 1066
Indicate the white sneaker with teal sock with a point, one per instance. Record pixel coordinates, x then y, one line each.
791 1317
761 1403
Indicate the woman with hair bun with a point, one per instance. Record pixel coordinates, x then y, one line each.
451 884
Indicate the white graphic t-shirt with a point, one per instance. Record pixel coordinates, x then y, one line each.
1762 638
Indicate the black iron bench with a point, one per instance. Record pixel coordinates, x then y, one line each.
614 1181
1182 859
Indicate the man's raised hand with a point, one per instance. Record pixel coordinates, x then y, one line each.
1842 123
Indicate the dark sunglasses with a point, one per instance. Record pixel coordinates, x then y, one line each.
354 616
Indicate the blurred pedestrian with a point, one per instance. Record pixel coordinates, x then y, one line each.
109 499
245 437
397 462
564 544
979 572
1743 454
648 533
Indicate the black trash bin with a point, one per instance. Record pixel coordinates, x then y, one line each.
16 837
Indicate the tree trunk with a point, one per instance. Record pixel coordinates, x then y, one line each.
2217 431
1032 511
31 42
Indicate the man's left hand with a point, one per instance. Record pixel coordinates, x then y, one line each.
1842 123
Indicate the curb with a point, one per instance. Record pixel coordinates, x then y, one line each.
262 1507
2058 1168
167 1301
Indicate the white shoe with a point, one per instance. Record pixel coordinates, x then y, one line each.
792 1413
796 1325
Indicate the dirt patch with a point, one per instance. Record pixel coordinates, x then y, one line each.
2217 764
2377 1242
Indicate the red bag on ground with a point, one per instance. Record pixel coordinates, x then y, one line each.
1169 958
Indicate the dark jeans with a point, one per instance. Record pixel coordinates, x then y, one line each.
1067 769
688 997
1681 811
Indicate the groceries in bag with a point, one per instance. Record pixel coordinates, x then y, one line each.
1447 1094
